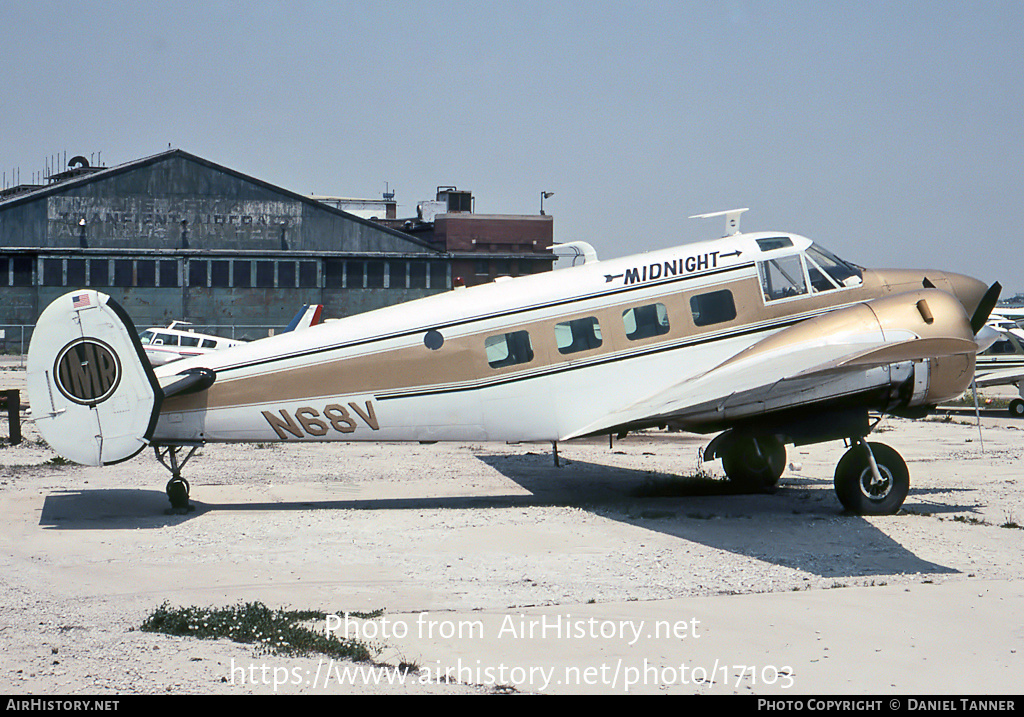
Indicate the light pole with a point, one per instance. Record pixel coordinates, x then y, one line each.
543 196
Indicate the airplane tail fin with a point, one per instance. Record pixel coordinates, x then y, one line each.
93 394
309 315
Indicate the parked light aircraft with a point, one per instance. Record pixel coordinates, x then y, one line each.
1002 363
766 337
164 345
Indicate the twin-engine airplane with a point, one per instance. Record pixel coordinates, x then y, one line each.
765 337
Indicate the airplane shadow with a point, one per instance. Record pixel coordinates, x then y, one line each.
800 525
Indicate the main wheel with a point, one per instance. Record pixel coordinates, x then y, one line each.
754 462
857 488
1017 408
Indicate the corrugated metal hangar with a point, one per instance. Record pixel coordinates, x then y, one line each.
177 237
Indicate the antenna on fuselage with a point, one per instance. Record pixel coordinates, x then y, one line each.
732 219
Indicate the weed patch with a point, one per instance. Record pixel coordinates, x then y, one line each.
279 632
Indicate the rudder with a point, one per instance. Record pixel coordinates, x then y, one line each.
93 394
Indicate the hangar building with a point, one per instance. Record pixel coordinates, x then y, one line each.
177 237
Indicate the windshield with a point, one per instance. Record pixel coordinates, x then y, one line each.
146 337
827 271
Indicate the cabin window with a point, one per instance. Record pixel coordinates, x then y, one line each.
508 349
189 340
715 307
782 278
643 322
209 344
578 335
166 340
1003 346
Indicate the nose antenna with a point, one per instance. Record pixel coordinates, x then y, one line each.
732 219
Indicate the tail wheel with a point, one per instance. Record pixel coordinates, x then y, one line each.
860 491
754 462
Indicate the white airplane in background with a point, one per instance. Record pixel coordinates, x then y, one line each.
164 345
1002 363
765 337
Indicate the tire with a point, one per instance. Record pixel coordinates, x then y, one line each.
177 493
1017 408
754 466
854 482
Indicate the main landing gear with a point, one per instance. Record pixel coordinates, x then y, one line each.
870 479
177 487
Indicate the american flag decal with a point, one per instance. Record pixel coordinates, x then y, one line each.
79 300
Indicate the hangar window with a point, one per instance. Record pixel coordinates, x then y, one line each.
168 272
220 274
5 271
53 272
309 274
397 274
286 274
21 271
354 274
334 273
75 272
99 272
123 272
713 308
242 274
643 322
417 275
264 275
374 275
508 349
439 275
197 273
578 335
145 272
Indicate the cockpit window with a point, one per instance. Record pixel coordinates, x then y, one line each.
783 278
822 263
146 337
774 243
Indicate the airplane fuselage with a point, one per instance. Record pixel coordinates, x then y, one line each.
543 357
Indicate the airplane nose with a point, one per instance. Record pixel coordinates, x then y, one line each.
970 292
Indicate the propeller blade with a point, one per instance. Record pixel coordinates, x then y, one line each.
985 306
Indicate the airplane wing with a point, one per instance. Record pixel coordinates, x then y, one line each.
846 351
1000 377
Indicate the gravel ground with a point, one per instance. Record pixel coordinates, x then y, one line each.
495 537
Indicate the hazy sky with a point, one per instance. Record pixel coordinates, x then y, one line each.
889 131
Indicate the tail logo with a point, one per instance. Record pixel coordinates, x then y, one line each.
87 371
